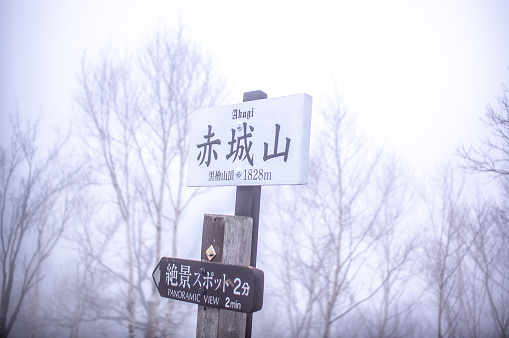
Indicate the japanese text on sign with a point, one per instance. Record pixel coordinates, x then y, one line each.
237 288
258 142
240 146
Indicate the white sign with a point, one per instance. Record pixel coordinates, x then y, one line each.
262 142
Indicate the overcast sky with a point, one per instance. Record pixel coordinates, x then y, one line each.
418 74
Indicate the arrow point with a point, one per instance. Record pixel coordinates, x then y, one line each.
156 275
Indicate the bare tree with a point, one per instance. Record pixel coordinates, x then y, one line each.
390 312
106 100
180 80
489 233
36 205
331 229
489 268
137 113
466 259
78 299
446 248
494 156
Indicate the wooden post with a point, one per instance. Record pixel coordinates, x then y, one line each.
231 238
235 240
247 203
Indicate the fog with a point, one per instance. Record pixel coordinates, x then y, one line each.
400 231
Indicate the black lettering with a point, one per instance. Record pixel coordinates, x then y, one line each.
238 114
208 152
240 146
267 156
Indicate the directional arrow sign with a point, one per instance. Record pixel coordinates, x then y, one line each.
225 286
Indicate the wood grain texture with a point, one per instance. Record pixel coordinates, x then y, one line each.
235 234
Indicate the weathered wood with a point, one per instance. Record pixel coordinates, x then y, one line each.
240 235
208 322
247 203
237 240
213 234
231 324
254 95
234 232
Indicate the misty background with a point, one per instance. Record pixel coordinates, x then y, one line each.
401 231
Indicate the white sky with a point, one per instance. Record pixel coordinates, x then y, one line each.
418 74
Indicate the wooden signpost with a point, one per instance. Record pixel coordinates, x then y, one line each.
225 286
257 142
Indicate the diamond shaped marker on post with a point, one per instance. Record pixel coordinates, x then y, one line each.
211 253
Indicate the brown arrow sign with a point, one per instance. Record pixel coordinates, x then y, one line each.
225 286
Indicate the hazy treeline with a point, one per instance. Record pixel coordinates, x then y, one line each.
366 249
